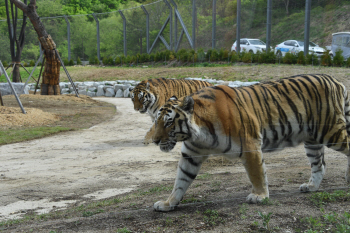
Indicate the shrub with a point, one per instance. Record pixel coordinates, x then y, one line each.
338 59
117 60
183 55
5 64
208 55
289 58
301 58
312 59
71 62
247 57
234 57
201 55
348 62
91 61
65 62
223 55
214 55
111 61
78 61
31 63
326 59
105 61
96 61
152 57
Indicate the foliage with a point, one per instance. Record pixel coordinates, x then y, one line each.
266 219
338 59
326 59
301 58
78 61
247 57
289 58
312 59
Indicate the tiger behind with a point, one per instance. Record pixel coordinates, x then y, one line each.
149 95
244 122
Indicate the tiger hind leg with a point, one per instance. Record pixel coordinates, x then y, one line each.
315 154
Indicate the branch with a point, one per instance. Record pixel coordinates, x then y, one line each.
21 5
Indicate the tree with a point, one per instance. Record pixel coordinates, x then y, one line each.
50 80
286 4
16 45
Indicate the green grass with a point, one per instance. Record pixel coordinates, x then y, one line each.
321 198
19 135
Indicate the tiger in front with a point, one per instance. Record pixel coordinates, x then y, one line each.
149 95
246 121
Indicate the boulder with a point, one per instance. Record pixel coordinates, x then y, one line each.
119 94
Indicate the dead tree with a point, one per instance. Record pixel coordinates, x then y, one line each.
16 45
50 80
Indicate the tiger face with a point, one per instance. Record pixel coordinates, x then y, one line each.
172 123
142 98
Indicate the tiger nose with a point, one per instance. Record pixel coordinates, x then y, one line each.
136 109
157 141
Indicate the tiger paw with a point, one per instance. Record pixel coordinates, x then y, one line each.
254 198
163 206
307 188
147 141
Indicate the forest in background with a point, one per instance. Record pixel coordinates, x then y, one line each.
327 17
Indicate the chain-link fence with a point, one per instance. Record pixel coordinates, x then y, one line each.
177 24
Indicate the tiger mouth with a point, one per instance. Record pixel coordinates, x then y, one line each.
167 146
143 110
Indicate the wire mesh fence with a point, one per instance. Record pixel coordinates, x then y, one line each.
178 24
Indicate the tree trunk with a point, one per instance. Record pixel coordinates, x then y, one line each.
50 80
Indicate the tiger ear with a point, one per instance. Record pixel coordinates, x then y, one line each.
131 88
147 87
173 98
187 104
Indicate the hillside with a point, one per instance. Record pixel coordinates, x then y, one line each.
327 17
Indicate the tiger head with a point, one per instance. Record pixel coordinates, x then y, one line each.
172 123
142 97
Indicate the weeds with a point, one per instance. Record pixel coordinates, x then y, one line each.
266 219
321 198
211 217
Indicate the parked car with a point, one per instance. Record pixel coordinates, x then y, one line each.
250 45
295 46
341 40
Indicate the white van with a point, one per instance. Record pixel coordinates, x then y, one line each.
341 40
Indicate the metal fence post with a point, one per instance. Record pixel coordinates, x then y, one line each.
268 26
175 22
171 23
238 29
124 30
147 26
68 35
214 24
98 36
194 23
307 27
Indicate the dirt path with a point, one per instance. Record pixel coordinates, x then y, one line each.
58 170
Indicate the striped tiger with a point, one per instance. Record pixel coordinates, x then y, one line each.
246 121
149 95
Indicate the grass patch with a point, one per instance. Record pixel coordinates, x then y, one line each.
8 136
332 221
321 198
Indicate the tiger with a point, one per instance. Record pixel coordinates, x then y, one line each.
243 122
149 95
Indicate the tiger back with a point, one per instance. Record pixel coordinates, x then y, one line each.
244 122
149 95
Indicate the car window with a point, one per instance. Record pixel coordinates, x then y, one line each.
312 44
243 42
288 43
256 42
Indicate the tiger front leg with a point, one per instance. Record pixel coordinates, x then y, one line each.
187 171
148 137
255 167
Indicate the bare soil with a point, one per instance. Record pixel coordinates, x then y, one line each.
103 179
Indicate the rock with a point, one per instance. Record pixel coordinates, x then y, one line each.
110 92
5 88
126 93
118 87
119 94
100 91
91 93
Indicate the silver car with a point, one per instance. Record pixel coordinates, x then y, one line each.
295 46
250 45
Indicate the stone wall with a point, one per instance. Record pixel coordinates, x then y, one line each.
120 88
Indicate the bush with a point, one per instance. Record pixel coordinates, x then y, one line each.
289 58
348 62
66 62
338 59
31 63
5 64
201 55
183 55
71 62
91 61
301 58
234 57
223 55
247 57
78 61
214 55
96 61
208 55
312 59
326 59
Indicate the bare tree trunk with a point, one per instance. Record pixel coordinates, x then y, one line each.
16 45
50 80
286 4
